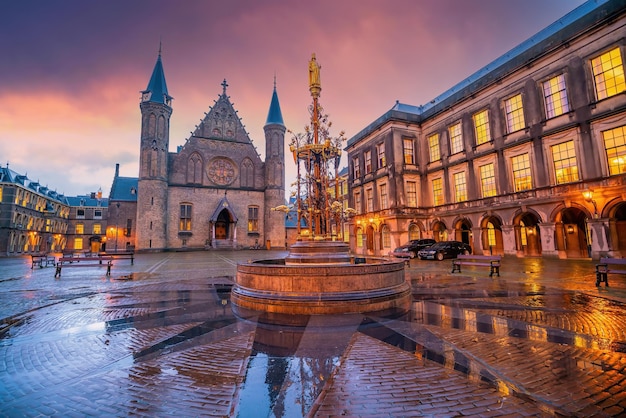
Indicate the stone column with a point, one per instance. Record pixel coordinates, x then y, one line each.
548 246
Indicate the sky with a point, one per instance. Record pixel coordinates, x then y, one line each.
71 71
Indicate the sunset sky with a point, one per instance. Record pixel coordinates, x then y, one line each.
71 71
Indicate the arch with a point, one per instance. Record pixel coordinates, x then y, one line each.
616 212
161 127
527 233
415 231
571 233
440 231
491 238
152 120
463 231
195 166
247 173
222 225
369 239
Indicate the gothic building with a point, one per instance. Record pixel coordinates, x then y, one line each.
215 191
526 157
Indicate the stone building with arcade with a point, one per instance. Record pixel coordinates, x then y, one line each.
525 157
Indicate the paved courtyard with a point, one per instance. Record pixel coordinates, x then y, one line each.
159 338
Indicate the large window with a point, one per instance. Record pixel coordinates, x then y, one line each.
368 161
97 229
565 166
253 219
555 96
615 144
78 243
359 237
414 232
386 236
481 127
433 147
514 113
356 168
380 151
357 202
407 145
369 200
80 228
438 192
411 194
456 138
460 187
185 217
608 74
522 179
487 180
384 200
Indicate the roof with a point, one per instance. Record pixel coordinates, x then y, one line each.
157 85
9 176
587 15
88 200
124 189
274 116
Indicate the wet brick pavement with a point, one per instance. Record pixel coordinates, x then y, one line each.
158 338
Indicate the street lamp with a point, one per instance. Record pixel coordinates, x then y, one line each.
588 195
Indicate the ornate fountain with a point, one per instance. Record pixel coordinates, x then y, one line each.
319 276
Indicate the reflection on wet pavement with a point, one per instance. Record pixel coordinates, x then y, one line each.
156 344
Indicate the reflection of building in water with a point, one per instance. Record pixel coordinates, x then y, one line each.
525 157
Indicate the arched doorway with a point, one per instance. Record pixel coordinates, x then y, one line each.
491 235
463 231
527 234
222 225
617 229
440 231
223 231
369 240
571 233
95 244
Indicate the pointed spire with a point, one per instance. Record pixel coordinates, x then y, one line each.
274 116
157 87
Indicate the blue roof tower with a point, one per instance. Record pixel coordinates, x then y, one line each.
274 116
157 87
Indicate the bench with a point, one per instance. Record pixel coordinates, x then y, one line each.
609 265
491 261
42 260
126 255
66 262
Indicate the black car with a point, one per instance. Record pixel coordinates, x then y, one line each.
411 248
444 249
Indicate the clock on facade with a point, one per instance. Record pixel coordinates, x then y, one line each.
221 171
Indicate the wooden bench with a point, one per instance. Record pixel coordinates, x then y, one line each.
42 260
609 265
491 261
66 262
126 255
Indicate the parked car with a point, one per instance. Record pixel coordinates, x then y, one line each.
411 248
444 249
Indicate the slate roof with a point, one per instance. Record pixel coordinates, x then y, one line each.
157 85
9 176
274 115
88 201
124 189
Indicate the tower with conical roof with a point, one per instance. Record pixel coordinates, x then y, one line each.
274 171
156 109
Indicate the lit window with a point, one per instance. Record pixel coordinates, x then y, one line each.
383 197
359 237
608 74
369 200
481 127
357 202
380 150
615 144
456 138
414 232
565 166
368 161
460 187
411 194
521 172
555 96
514 113
185 217
437 192
407 145
253 219
386 236
488 180
78 243
80 228
433 147
491 234
356 168
97 228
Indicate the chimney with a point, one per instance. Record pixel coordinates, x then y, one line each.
117 169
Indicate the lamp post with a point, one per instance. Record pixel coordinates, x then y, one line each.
588 195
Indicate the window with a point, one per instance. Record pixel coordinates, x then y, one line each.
368 161
78 243
481 127
185 217
97 228
386 236
357 202
565 166
356 168
414 232
97 214
369 200
129 227
253 219
456 138
437 192
491 234
80 228
384 203
608 74
380 151
407 145
80 214
411 194
359 237
487 180
615 144
514 113
460 187
555 96
433 147
522 179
